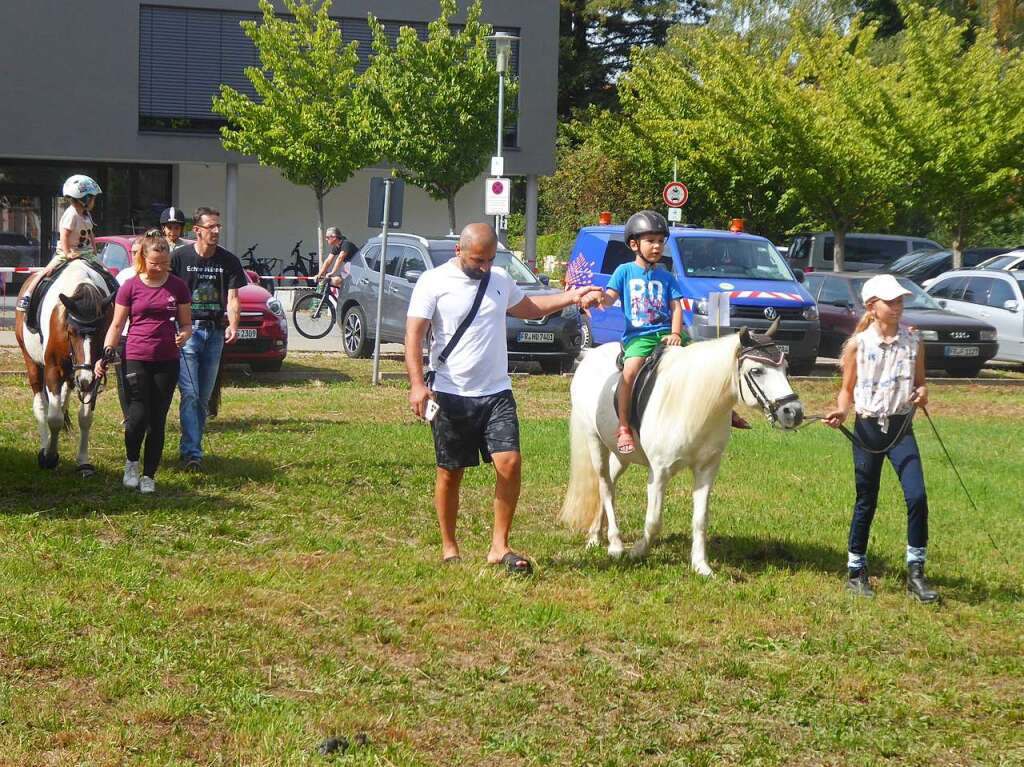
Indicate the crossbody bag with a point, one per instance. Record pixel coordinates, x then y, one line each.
442 358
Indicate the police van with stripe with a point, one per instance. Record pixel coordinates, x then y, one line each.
758 281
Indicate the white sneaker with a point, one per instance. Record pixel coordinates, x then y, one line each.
131 474
147 485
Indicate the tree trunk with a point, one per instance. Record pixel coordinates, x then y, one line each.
958 248
320 227
839 249
451 213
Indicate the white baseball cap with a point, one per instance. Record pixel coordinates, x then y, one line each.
883 286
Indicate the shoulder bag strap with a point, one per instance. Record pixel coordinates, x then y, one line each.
466 321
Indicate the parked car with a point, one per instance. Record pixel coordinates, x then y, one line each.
760 284
926 267
864 252
263 328
18 250
958 344
993 296
115 251
1010 262
554 341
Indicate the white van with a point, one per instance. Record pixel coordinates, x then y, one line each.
864 252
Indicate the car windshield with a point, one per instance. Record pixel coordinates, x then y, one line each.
917 299
731 257
901 263
925 264
516 269
999 262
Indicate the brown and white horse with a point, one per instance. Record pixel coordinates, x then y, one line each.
73 321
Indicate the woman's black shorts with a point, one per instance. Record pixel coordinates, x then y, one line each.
467 429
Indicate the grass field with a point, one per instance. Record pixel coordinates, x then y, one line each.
294 592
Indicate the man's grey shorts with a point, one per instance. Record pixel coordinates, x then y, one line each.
467 429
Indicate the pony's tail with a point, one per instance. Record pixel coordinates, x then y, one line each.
583 495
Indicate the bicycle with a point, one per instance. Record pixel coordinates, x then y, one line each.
315 313
264 268
305 267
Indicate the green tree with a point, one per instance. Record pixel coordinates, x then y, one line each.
306 121
961 105
597 38
435 102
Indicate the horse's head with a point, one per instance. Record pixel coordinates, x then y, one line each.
87 316
762 378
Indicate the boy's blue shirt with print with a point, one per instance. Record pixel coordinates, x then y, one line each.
646 296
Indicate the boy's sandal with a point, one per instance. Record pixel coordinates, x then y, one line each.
624 440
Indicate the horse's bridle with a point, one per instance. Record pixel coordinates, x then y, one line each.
768 354
85 329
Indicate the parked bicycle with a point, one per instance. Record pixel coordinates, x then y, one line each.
302 267
263 267
314 313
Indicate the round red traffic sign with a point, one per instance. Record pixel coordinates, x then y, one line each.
675 194
497 187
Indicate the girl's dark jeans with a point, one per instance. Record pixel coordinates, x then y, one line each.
867 467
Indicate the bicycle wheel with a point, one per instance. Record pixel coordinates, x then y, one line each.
313 315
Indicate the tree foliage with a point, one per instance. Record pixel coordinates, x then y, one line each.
597 38
434 102
306 121
961 107
821 132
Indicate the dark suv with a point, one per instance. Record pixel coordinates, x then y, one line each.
553 341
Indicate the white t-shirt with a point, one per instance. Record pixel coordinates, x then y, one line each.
81 227
479 364
122 277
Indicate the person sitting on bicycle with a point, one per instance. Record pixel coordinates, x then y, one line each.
342 250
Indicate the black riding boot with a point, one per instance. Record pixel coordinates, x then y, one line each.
917 586
858 583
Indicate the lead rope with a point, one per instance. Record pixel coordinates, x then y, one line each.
853 439
964 486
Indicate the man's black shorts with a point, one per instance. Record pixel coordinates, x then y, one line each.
467 429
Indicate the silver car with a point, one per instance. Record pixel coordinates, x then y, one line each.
553 341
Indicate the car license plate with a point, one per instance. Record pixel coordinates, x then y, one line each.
784 348
962 351
534 337
246 332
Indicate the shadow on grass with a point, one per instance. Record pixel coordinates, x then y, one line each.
747 555
62 494
278 425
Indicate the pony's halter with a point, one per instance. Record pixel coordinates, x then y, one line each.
85 329
767 354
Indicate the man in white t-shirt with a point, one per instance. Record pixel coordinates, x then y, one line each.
477 413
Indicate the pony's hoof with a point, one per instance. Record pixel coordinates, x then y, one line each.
703 570
86 470
615 552
48 461
593 542
638 552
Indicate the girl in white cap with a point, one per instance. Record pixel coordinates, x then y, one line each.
883 379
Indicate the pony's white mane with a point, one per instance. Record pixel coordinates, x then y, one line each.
698 380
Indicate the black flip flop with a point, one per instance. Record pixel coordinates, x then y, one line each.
516 564
452 560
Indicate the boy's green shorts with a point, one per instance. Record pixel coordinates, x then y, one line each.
642 346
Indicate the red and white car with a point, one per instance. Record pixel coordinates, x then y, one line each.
263 329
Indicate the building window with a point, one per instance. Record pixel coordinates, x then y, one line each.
185 54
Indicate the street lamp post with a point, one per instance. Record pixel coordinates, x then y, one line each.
502 55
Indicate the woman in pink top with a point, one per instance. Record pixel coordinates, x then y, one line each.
157 304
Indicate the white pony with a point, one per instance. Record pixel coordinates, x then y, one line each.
686 424
74 317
